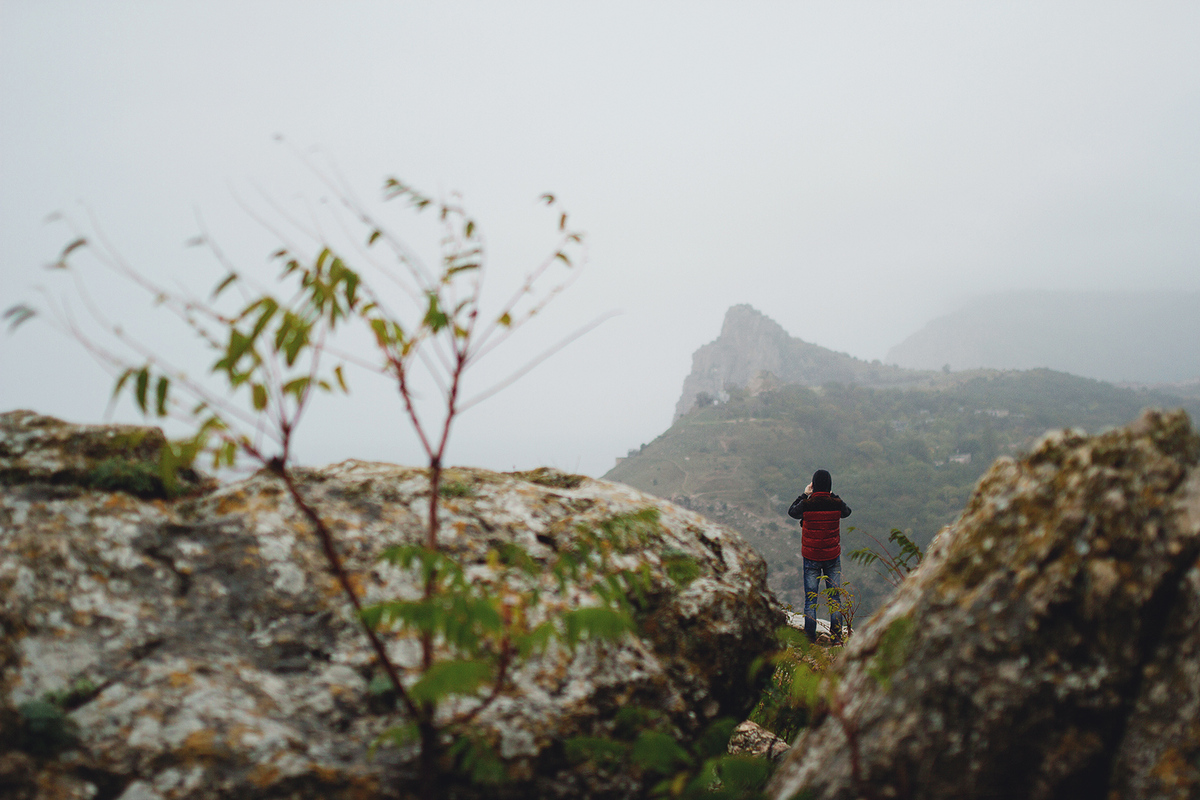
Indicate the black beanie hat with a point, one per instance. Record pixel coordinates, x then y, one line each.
822 482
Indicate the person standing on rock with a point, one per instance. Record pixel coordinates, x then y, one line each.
820 512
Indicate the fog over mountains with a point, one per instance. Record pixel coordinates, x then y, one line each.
752 344
1135 337
762 409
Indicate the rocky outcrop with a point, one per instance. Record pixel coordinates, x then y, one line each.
1048 646
198 648
754 349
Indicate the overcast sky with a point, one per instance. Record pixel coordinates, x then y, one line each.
850 169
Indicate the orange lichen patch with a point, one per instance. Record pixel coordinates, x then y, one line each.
350 787
337 690
202 744
178 679
235 739
330 587
1172 770
327 774
263 775
362 789
58 786
235 501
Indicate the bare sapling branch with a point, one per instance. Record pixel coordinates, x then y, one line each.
272 351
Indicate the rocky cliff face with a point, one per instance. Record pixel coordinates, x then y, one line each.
752 345
197 648
1049 645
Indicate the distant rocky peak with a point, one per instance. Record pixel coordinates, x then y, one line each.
746 321
753 346
750 343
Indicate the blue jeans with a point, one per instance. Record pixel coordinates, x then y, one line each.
832 570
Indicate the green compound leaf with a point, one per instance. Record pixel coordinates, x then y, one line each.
659 751
595 622
141 386
477 759
596 749
260 396
455 677
435 318
160 396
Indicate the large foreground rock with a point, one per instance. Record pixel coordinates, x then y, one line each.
200 649
1049 646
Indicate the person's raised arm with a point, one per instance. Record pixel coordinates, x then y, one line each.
796 511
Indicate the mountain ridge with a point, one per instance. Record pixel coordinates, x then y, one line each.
752 344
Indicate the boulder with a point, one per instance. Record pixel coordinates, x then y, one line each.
1047 647
199 648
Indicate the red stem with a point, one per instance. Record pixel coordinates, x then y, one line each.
339 570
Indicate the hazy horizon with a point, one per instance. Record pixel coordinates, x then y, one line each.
851 171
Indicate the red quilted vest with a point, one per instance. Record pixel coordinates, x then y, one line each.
821 530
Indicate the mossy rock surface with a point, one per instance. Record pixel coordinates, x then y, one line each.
548 476
36 449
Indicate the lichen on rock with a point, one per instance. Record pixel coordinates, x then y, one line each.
225 661
751 739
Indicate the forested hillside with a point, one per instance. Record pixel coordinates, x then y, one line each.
901 458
